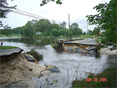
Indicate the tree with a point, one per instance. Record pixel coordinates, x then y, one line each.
6 31
46 1
84 33
33 22
96 31
28 30
43 25
54 32
75 29
106 18
21 31
74 25
4 9
62 31
55 26
16 30
79 31
110 35
63 25
90 32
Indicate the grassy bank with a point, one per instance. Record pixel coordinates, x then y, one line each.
7 47
11 35
109 74
15 36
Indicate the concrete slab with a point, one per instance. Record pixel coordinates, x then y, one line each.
30 58
49 69
7 52
85 42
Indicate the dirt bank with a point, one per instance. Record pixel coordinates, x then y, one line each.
18 68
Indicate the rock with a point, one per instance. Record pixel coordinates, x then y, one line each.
20 84
30 69
78 50
70 48
92 52
90 48
30 58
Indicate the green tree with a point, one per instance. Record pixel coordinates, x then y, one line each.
74 25
28 30
96 31
106 18
63 25
45 33
110 35
55 26
7 30
67 32
84 33
21 31
43 25
54 32
90 32
4 9
79 31
62 32
33 22
46 1
75 29
16 30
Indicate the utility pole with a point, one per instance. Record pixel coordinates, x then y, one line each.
87 29
69 24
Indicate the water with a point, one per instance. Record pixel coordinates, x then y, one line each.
72 65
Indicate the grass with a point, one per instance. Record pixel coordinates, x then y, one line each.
109 74
15 35
7 47
2 35
52 45
12 35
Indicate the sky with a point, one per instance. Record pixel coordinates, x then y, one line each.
78 10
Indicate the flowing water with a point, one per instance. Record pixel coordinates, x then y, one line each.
72 65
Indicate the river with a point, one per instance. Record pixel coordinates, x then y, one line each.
72 65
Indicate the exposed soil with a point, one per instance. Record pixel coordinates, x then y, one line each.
18 68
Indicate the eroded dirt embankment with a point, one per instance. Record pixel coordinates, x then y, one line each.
18 68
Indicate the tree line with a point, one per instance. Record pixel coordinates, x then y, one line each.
45 27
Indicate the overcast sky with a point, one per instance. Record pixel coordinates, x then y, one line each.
78 9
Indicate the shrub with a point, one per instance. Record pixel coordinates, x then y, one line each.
35 54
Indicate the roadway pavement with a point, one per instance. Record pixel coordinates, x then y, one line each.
84 41
10 51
